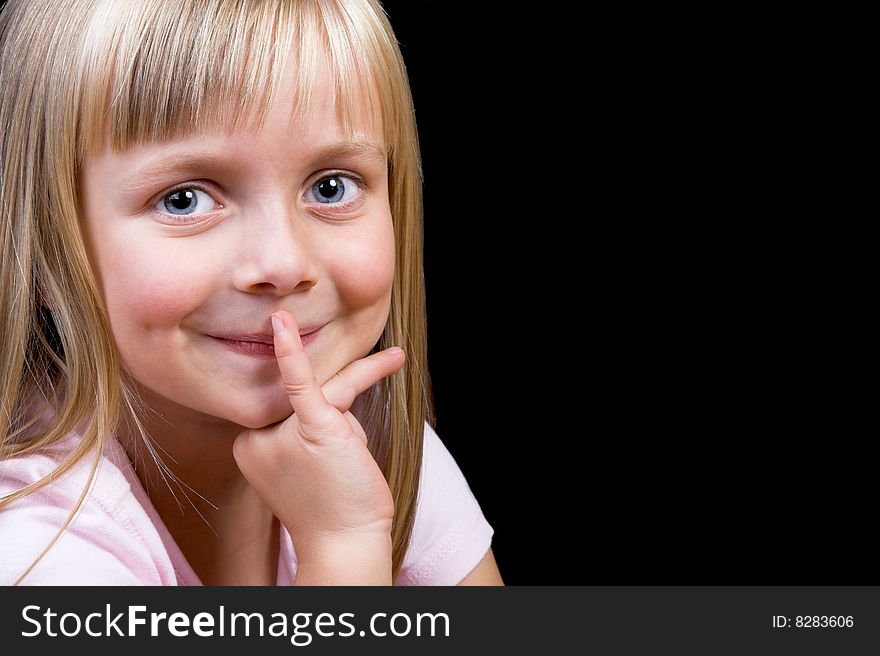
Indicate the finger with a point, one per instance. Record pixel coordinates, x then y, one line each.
297 376
341 390
356 427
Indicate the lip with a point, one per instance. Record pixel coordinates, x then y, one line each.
260 344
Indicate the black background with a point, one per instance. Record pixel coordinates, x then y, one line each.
495 325
629 361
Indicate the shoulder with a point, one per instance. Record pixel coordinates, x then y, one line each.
102 545
108 487
450 535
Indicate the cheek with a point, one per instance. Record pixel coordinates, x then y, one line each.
150 291
363 270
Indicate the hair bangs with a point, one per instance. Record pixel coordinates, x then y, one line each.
218 64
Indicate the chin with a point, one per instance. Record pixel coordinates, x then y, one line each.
260 414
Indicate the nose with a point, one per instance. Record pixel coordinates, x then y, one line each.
275 253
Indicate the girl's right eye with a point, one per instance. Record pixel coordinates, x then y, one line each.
187 201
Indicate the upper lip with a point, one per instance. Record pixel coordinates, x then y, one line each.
263 338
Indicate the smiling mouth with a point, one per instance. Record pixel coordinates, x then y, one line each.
250 348
261 345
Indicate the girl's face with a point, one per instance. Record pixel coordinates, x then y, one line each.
202 238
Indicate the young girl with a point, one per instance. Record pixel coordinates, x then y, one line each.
211 250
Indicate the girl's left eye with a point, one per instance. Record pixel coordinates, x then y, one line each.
187 201
335 189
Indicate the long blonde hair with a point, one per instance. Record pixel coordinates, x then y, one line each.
163 68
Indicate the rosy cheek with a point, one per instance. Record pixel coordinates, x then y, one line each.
363 269
151 293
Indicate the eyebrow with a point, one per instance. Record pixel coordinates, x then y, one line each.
158 168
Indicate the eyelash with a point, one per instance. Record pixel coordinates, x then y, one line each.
359 181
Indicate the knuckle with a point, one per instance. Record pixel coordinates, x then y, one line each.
351 393
347 389
321 428
296 388
239 448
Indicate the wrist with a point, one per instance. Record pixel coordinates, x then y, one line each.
345 560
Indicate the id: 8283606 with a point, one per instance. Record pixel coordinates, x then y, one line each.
813 622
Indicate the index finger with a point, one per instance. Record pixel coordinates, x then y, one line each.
302 389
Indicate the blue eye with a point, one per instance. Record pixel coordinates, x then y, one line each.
335 189
186 201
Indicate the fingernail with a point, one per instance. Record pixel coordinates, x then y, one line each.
394 350
277 324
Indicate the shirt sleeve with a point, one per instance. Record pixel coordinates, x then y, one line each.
450 534
92 550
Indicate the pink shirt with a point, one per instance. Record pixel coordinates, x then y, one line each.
118 538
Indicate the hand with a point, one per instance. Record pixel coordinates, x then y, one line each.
314 469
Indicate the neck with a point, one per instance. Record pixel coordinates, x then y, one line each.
223 528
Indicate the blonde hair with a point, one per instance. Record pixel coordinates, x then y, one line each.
163 68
